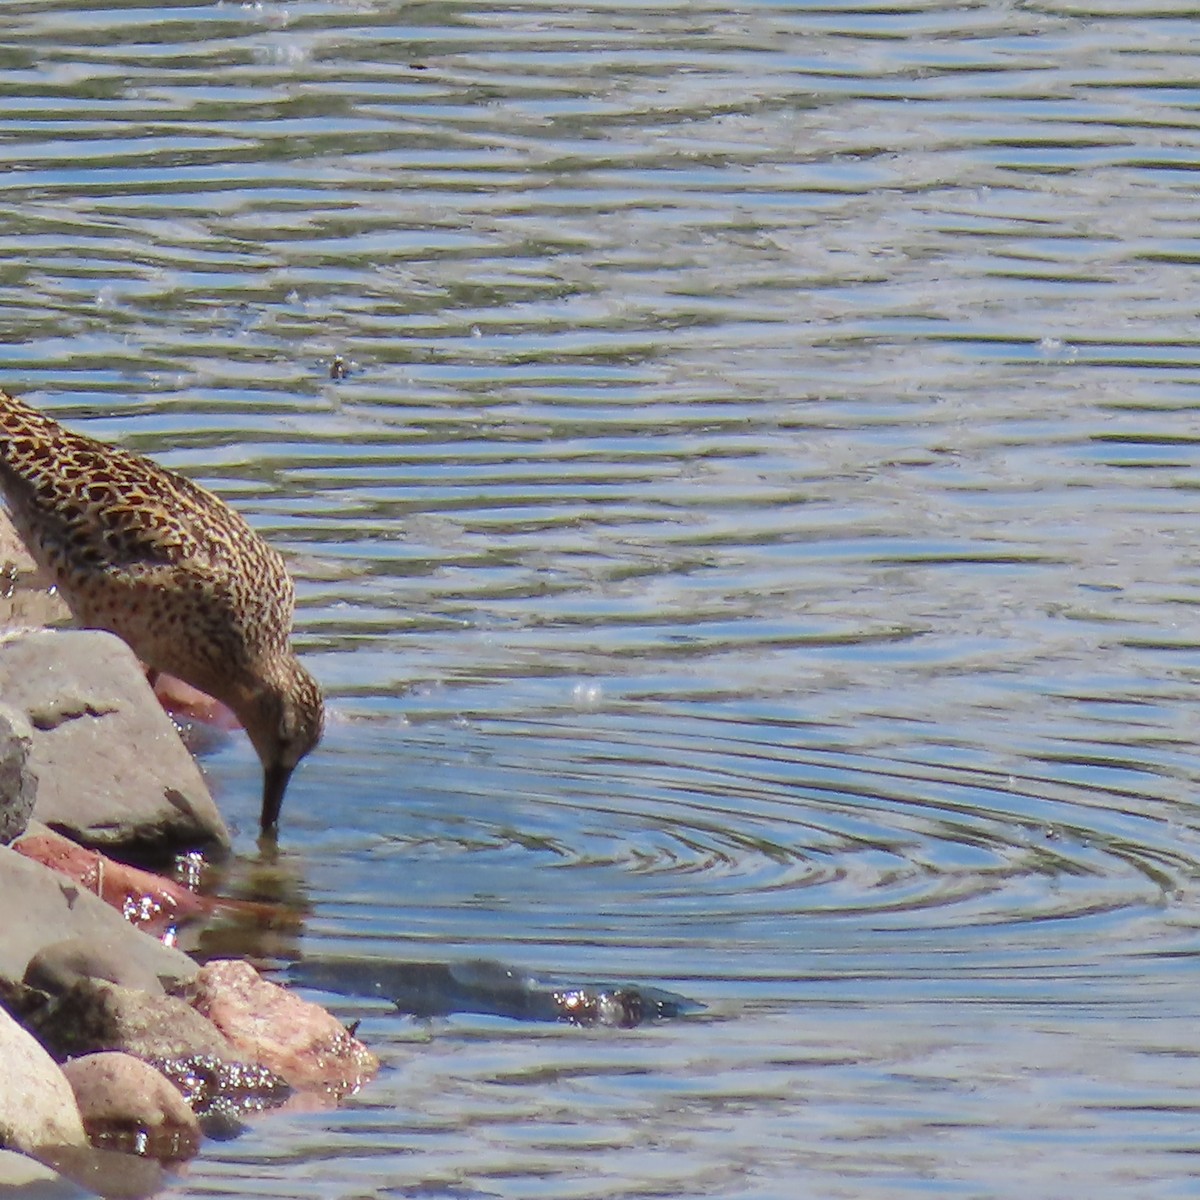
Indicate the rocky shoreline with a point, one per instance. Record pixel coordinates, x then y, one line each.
118 1052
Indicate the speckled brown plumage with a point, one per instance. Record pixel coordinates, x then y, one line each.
172 569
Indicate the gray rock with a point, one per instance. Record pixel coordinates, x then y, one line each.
126 1101
18 784
37 1106
51 908
55 968
23 1178
92 1015
112 771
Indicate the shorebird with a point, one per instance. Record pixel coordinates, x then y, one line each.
169 567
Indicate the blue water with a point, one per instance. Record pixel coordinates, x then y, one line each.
753 553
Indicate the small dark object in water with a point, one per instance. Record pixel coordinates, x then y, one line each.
483 986
339 368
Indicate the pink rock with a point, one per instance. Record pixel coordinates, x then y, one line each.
125 1101
148 901
43 908
154 904
295 1038
189 703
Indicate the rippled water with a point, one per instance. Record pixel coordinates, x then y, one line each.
755 553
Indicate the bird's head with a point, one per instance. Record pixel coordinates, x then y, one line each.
284 721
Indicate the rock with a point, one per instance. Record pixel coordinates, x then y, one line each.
107 1173
295 1038
56 967
14 557
127 1103
93 1015
149 901
190 705
26 599
220 1092
37 1106
18 784
23 1178
53 908
112 771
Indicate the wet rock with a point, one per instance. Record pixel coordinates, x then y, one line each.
18 784
220 1092
152 903
299 1040
24 1178
93 1015
126 1103
53 908
37 1106
112 771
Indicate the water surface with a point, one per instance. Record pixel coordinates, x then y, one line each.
753 553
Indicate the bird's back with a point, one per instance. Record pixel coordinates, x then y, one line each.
143 552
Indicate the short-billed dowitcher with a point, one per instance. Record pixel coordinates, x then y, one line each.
171 569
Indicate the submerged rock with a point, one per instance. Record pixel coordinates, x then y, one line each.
484 986
24 1178
108 1173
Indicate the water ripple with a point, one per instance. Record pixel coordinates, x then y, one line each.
631 826
752 548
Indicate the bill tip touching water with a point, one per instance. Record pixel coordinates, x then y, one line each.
170 568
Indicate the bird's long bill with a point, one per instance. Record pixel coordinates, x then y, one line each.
275 781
